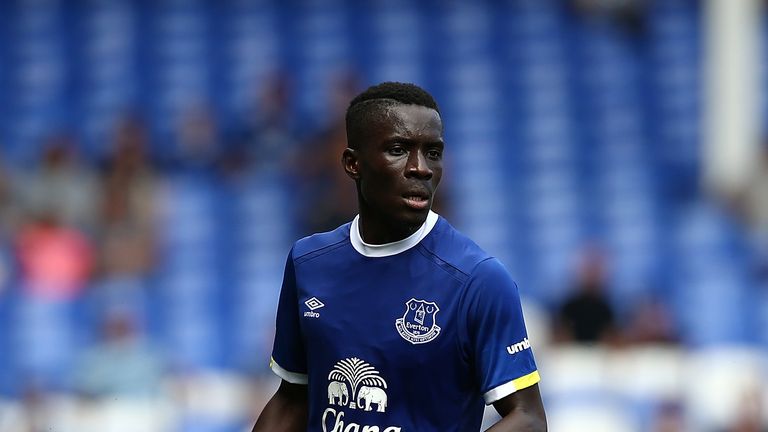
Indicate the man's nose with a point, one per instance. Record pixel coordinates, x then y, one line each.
418 167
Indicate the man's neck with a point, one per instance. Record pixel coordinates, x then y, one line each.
376 232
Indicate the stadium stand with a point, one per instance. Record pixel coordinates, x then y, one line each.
565 128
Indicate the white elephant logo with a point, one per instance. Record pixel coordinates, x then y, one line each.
338 390
366 386
372 395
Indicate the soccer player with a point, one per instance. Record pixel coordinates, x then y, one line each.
396 322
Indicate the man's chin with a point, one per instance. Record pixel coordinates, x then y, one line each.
415 218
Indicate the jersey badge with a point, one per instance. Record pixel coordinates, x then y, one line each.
418 324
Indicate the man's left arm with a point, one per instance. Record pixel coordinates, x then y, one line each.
501 350
521 411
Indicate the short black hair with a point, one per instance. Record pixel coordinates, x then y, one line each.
367 107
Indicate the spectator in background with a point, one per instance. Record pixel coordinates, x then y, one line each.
749 415
329 197
754 205
270 137
630 14
127 213
650 322
669 418
61 188
9 218
55 266
9 211
197 145
587 316
56 260
122 364
5 265
33 414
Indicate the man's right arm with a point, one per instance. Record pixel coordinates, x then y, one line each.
286 411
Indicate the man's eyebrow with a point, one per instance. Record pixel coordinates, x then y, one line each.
402 139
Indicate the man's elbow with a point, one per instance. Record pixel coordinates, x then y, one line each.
538 424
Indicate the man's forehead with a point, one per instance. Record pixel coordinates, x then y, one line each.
386 119
400 114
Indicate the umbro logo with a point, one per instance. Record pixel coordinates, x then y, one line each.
312 304
520 346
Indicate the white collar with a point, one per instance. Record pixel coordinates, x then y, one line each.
394 248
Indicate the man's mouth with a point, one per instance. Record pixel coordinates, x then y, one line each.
417 201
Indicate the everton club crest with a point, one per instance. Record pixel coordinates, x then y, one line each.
417 325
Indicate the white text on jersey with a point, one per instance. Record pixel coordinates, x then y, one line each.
520 346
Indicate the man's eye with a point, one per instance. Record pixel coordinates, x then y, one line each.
397 151
435 154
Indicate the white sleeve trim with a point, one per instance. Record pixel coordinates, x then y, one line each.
510 387
291 377
499 392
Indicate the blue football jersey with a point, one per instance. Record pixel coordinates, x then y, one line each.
411 336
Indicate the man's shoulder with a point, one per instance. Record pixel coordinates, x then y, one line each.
454 248
320 243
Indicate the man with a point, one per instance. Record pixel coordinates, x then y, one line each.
396 322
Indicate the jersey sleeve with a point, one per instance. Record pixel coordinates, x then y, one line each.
288 356
498 339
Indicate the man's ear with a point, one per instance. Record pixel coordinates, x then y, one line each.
350 163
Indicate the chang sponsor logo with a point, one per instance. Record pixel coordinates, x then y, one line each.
356 385
336 421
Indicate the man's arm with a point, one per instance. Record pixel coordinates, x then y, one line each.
521 411
286 411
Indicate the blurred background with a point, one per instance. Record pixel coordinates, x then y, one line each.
158 159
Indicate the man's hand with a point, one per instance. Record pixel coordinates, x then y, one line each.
522 411
286 411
